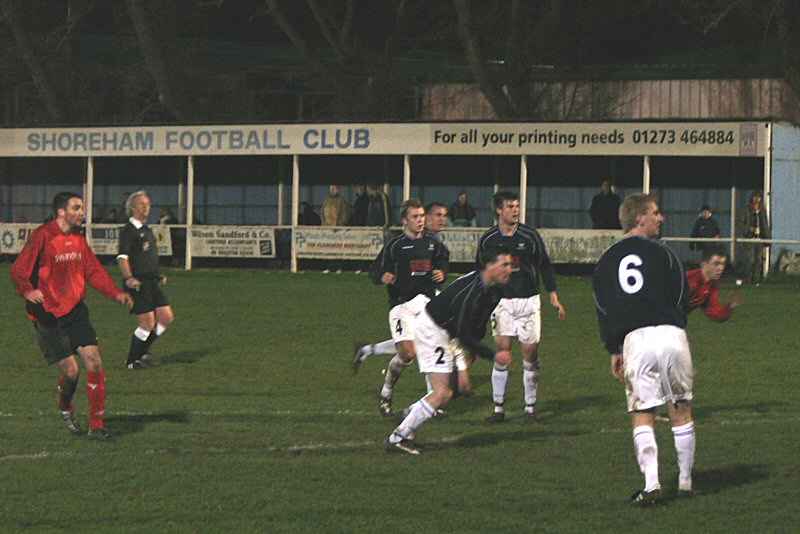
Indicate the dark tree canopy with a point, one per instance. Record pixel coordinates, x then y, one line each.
71 62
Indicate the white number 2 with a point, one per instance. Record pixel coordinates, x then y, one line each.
630 279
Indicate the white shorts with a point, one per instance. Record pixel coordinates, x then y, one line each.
436 352
658 367
403 318
520 318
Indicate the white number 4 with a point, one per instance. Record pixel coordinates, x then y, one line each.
630 279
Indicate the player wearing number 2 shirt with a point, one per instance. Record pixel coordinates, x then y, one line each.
641 292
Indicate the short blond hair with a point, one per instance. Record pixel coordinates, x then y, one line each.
632 207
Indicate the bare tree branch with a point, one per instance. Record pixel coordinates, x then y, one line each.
488 84
47 87
171 90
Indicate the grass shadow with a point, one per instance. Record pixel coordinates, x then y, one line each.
122 425
483 439
761 408
186 356
712 481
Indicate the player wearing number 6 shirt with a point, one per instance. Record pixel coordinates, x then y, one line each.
519 313
412 264
51 274
641 292
138 262
457 316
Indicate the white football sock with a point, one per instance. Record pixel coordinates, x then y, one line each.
384 347
644 443
530 380
396 368
684 447
141 333
499 381
420 412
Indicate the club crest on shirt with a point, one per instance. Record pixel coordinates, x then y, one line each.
145 246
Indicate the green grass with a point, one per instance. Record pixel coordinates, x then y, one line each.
254 423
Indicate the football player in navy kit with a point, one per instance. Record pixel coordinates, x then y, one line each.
138 261
435 222
641 294
412 264
519 313
457 317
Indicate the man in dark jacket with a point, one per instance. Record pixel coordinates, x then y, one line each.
704 226
752 223
360 207
605 208
378 212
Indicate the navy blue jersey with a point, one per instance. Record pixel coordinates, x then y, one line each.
141 248
464 308
529 260
638 282
412 261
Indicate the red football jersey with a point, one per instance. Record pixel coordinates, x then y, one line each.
59 265
705 295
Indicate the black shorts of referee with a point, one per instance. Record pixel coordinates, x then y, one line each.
60 338
149 297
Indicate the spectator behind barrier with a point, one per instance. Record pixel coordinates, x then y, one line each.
462 213
360 207
335 210
704 226
605 208
307 216
378 212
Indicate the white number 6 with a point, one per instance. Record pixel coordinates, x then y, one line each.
630 279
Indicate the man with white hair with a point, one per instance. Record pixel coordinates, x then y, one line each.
138 261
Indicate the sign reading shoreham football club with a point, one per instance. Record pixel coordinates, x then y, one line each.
338 243
720 139
233 242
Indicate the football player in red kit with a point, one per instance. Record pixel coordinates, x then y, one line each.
704 286
51 274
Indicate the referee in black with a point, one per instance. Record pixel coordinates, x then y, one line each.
138 261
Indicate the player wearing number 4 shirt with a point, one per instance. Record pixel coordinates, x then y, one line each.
412 264
456 317
138 261
51 274
519 313
641 294
435 222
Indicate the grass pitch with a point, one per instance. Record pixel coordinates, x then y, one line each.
254 423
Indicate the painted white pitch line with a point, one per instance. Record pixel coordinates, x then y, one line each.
310 447
207 413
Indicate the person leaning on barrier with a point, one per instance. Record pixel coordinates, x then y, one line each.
704 226
306 215
752 223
